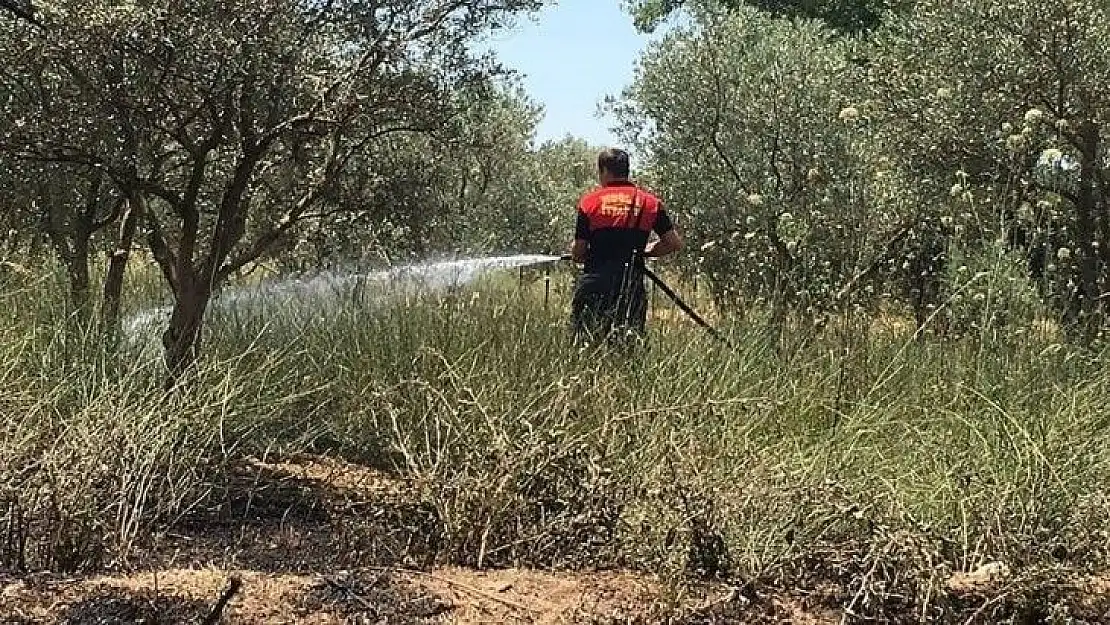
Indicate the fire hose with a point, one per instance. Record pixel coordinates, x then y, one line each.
683 306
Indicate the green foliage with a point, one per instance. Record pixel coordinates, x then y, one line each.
954 126
20 9
479 185
229 127
990 293
853 16
763 157
999 103
951 163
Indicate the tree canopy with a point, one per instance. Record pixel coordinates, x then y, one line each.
850 16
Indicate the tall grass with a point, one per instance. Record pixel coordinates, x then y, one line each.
882 463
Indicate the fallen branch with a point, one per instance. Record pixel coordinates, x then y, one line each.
233 586
462 586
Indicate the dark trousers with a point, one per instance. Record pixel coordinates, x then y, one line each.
611 307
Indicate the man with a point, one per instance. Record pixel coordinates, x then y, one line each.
611 241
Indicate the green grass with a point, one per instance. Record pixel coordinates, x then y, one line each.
883 465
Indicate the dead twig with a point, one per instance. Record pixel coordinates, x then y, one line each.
351 593
478 592
233 586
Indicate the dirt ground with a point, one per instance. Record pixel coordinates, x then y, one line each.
291 538
292 543
370 596
448 596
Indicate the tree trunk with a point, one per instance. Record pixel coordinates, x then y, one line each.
1087 294
72 249
182 339
77 268
113 282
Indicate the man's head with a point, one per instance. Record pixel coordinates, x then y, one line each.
612 165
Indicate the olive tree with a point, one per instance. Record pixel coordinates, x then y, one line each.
758 148
475 186
998 110
851 16
228 125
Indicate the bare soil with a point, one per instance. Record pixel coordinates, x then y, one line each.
319 541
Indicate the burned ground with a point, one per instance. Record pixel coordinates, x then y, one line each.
315 540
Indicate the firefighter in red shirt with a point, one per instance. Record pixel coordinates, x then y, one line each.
611 240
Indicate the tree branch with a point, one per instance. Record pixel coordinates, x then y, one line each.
113 215
25 12
714 135
163 255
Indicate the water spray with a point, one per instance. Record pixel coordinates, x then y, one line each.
683 306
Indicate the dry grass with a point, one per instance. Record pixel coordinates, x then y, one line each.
835 473
329 593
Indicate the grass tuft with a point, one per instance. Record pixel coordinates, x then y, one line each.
877 467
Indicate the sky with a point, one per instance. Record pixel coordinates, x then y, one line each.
558 54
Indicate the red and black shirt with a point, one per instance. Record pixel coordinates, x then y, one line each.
616 220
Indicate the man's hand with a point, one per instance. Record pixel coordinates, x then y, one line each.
578 250
669 243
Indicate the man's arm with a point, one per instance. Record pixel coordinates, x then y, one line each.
580 246
669 242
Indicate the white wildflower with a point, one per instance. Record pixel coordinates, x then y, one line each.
849 114
944 93
1033 116
1063 253
1051 156
755 199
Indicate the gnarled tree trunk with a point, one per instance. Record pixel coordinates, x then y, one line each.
182 339
113 282
1086 300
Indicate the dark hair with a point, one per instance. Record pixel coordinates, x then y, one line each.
614 161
